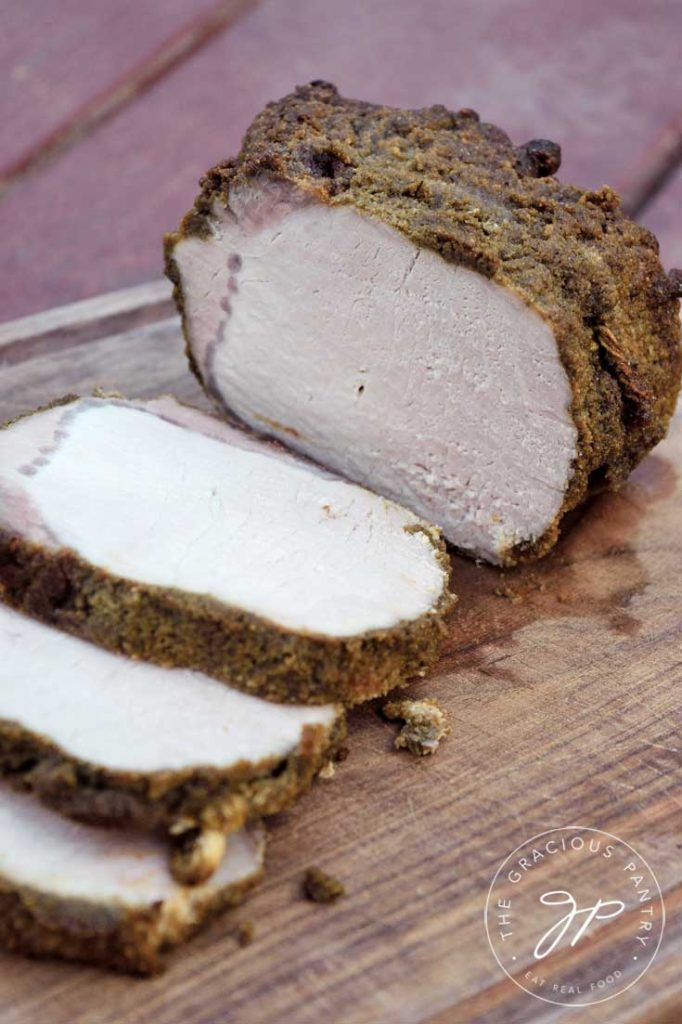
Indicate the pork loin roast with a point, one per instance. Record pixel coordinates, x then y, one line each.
411 300
157 531
116 741
104 896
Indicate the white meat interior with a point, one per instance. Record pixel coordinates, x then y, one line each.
55 856
421 379
166 495
128 715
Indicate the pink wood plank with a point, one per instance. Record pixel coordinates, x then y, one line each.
600 78
664 218
652 171
57 56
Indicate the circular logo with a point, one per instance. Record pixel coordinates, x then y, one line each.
574 916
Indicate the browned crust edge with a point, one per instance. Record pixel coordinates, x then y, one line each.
201 797
173 628
124 939
458 186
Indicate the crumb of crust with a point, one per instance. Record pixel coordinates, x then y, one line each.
245 933
526 585
320 887
196 854
426 724
327 771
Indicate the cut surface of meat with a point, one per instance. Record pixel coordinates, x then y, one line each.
403 406
155 530
103 895
110 739
408 299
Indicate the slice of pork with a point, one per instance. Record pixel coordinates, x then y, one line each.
406 298
158 531
104 896
116 741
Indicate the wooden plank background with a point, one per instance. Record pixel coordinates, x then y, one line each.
663 216
58 56
605 80
564 696
562 680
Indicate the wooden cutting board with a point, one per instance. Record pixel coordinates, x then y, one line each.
562 681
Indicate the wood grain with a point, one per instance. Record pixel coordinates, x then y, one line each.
65 61
79 322
655 168
603 80
562 680
664 217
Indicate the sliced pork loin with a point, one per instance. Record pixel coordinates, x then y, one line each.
104 896
412 301
116 741
156 530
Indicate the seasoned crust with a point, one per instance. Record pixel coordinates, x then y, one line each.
458 186
319 887
178 629
130 940
203 797
425 724
173 628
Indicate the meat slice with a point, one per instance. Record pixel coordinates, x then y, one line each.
124 742
156 530
410 300
104 896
